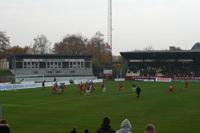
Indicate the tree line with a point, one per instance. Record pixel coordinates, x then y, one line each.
71 44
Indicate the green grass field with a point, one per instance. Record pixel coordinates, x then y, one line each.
39 111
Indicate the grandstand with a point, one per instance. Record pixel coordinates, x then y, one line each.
47 67
172 64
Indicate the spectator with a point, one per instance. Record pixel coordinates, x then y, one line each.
4 127
150 128
125 127
105 126
74 130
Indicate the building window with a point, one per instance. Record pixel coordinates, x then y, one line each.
59 65
51 65
34 65
78 65
42 64
24 64
65 64
70 65
82 65
74 65
19 64
54 64
87 64
28 65
48 64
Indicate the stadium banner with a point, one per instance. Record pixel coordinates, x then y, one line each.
31 85
189 78
149 80
160 79
17 86
120 79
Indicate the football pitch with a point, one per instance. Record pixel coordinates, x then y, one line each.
40 111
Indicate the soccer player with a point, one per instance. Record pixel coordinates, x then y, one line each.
43 84
53 89
170 88
93 87
62 86
88 90
121 86
81 88
186 83
103 88
134 87
138 91
85 86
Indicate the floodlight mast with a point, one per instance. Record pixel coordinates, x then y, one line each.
110 25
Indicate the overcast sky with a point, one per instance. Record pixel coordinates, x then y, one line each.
136 23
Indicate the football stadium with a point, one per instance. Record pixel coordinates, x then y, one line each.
144 78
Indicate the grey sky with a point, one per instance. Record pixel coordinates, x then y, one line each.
136 23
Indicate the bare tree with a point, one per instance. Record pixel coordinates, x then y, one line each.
41 45
4 41
100 51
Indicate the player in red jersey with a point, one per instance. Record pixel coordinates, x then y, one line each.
170 88
93 87
85 86
53 89
186 83
62 86
81 88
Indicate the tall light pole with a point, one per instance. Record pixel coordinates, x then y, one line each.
110 26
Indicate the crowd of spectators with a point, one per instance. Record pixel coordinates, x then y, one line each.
105 127
168 70
126 127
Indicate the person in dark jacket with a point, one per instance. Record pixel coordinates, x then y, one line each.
105 126
4 127
43 84
138 91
